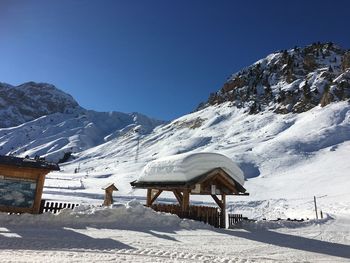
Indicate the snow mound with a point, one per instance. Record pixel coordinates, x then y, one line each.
132 215
185 167
278 224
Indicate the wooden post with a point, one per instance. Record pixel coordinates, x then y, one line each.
222 205
186 200
149 197
108 197
38 193
315 207
223 211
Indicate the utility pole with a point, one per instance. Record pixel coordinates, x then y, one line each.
315 207
137 146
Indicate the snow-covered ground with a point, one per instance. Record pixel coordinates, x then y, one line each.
133 233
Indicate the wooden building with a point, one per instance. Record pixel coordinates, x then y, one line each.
109 189
216 183
21 183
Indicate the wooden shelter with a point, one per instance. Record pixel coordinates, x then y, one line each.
109 188
22 182
217 183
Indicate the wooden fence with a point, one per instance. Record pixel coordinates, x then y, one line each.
55 206
233 219
206 214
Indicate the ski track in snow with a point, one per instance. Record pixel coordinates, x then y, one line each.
310 244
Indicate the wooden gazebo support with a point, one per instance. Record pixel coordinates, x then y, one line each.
183 198
222 204
214 183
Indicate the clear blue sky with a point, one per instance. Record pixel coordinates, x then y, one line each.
157 57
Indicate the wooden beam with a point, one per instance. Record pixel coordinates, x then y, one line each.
186 200
39 191
178 196
149 197
218 201
227 182
223 211
156 196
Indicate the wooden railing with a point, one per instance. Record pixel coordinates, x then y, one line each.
206 214
55 206
233 219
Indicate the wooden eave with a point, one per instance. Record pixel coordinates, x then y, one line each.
217 175
24 163
110 187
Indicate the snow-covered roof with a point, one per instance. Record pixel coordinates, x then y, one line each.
26 162
187 166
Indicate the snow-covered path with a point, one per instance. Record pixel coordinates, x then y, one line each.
263 242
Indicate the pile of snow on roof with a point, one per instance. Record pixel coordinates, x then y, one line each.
187 166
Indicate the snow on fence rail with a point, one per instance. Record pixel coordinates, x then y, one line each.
55 206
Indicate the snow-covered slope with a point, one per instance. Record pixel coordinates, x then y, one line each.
51 124
58 134
287 159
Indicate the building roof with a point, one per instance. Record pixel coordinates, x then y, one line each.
28 163
228 181
110 185
185 167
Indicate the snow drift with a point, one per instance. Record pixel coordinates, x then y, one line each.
132 215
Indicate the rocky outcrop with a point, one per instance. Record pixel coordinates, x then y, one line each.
294 80
29 101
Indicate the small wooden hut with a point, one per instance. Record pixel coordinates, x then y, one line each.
109 188
217 176
22 182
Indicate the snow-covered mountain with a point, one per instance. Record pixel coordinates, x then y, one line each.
287 158
294 80
42 120
284 156
29 101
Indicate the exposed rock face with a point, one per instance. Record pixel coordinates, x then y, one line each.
294 80
32 100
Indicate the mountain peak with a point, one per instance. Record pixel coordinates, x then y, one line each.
31 100
293 80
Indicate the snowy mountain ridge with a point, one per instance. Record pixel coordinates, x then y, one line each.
39 119
294 80
29 101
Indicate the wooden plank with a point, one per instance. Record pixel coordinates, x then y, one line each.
218 201
178 196
227 182
39 191
156 196
186 200
22 172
